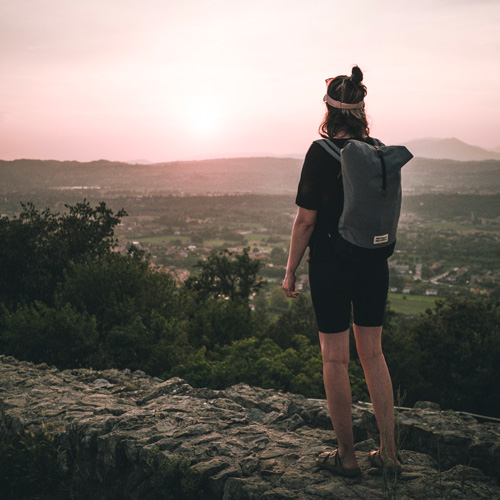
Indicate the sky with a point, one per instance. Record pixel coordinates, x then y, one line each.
168 80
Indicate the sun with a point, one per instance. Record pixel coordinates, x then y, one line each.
206 115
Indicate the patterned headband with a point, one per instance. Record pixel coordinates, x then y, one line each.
342 105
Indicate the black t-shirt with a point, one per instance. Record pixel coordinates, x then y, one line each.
320 188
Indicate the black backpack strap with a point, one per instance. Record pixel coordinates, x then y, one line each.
380 153
329 146
377 145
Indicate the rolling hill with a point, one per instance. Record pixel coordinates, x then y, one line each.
450 149
222 176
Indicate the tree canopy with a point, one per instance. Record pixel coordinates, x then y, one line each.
68 298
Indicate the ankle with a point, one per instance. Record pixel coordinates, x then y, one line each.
347 452
388 456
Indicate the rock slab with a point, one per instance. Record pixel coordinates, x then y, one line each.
122 434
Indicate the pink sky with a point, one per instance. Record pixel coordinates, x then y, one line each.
170 80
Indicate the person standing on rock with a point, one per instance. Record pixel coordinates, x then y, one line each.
338 283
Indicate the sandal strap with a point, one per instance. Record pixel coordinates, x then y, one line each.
376 459
336 458
331 454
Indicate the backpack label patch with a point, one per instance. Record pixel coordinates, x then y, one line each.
384 238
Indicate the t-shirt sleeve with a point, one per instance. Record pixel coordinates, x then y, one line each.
309 190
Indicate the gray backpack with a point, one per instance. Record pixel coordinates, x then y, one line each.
371 177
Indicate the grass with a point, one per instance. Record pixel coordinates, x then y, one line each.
157 240
453 226
410 304
250 237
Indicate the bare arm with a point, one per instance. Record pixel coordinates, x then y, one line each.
303 227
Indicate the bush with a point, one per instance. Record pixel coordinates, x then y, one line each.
263 363
38 246
39 333
450 355
28 462
173 479
226 274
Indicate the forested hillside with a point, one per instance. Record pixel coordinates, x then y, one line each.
68 298
231 175
235 175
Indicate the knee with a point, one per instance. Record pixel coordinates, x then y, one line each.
367 356
335 349
335 359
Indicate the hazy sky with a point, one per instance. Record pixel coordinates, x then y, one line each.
178 79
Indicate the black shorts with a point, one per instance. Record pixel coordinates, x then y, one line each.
338 283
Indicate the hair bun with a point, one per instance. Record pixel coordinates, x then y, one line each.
356 75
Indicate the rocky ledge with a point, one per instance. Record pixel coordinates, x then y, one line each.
124 435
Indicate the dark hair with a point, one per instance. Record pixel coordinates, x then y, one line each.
352 122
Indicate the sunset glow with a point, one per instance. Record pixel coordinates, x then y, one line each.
204 116
168 80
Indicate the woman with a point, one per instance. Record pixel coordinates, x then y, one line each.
337 282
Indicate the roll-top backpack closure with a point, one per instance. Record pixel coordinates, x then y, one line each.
371 178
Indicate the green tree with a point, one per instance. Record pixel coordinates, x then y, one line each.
228 275
218 300
38 246
39 333
217 322
138 311
262 363
450 355
299 320
78 303
278 301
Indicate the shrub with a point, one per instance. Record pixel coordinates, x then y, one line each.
40 333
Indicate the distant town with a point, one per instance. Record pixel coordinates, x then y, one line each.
448 238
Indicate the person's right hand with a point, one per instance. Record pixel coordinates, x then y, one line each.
289 286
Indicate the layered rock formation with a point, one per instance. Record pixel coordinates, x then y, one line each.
124 435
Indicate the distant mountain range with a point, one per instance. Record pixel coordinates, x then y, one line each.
440 165
230 175
450 149
226 175
429 147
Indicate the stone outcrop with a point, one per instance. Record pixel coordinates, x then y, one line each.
130 436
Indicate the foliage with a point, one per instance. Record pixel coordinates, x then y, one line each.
172 478
263 363
218 322
137 310
69 300
28 462
298 320
41 333
227 275
458 352
359 388
100 308
257 362
449 355
278 303
38 246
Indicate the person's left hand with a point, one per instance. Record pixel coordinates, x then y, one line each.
289 286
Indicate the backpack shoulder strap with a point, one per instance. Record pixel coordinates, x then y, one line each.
329 146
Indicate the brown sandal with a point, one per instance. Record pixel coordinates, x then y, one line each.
330 460
376 460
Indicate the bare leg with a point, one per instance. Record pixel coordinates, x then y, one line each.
335 352
378 379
